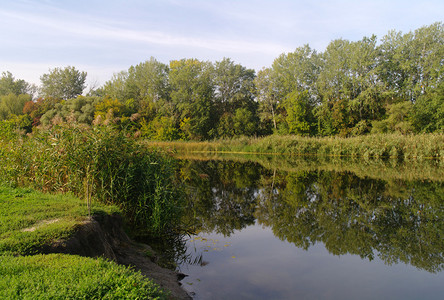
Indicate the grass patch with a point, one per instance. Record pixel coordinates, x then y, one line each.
31 219
61 276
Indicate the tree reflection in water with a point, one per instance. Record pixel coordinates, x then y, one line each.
394 219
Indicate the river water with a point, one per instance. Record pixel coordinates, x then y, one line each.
266 228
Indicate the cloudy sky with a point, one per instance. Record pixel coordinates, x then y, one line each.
105 37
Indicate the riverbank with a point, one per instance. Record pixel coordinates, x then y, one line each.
377 146
34 226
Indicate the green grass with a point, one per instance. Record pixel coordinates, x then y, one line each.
60 276
28 221
31 219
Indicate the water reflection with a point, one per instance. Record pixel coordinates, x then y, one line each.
394 219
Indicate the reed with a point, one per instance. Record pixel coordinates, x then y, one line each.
97 163
368 147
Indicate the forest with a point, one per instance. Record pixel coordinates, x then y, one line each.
352 88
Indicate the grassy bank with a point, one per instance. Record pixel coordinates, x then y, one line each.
59 276
78 171
29 220
379 146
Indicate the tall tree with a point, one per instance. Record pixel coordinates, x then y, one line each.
234 86
66 83
266 98
292 75
299 113
10 85
192 91
412 63
234 93
348 85
296 71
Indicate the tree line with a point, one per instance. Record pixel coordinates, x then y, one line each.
351 88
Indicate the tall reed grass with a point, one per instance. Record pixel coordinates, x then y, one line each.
96 163
377 146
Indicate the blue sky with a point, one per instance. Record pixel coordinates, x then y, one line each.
105 37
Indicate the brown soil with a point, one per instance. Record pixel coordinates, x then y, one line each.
103 236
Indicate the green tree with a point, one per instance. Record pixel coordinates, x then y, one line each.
348 85
81 109
192 92
10 85
146 83
398 119
428 111
66 83
267 100
12 104
296 71
234 86
412 63
244 122
299 117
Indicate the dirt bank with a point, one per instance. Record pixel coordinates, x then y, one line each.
103 236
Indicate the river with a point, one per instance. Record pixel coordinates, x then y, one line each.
268 228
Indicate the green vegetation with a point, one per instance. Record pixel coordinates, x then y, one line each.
30 219
401 147
375 169
58 276
96 163
352 88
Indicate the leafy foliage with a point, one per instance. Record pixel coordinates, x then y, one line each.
351 88
66 83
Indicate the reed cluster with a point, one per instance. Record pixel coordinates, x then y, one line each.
369 147
96 163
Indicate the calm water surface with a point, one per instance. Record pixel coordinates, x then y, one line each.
305 232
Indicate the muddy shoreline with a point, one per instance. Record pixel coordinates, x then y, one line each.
103 236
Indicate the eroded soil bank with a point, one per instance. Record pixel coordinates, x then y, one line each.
103 236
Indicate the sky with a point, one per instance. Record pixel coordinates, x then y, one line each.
106 37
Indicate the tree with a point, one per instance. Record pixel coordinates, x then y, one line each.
146 83
293 75
10 85
299 117
80 109
12 105
296 71
411 63
244 122
398 115
428 111
192 92
266 98
349 87
66 83
234 86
